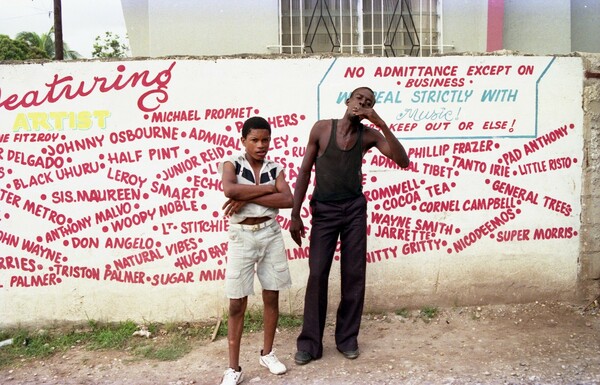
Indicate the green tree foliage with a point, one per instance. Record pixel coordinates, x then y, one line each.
18 50
45 42
110 46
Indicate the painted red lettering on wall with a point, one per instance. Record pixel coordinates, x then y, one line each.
42 251
217 139
18 263
382 254
484 230
124 276
175 116
65 87
31 160
228 113
48 279
145 256
202 226
172 278
211 275
135 219
75 145
177 206
175 192
180 168
207 183
83 272
179 247
153 132
69 228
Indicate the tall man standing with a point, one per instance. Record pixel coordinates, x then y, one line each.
339 211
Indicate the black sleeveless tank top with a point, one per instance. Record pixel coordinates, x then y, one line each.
339 172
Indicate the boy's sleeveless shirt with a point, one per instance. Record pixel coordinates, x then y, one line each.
339 172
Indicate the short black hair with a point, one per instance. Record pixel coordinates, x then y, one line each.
363 88
255 122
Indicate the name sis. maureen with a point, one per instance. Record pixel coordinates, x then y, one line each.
65 87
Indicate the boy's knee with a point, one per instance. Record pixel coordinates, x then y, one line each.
236 307
271 298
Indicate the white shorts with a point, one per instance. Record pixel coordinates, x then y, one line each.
256 246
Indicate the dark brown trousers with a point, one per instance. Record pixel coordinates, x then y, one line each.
347 221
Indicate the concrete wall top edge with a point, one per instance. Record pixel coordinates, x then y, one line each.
295 56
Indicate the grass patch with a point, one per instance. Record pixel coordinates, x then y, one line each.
107 336
427 313
167 342
175 348
41 343
404 312
253 321
289 321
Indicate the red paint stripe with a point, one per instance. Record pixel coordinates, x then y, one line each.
495 25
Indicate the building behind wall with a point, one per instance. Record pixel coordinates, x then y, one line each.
382 27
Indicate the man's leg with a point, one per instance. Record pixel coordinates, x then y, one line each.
323 239
353 265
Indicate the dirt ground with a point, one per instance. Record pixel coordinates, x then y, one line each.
537 343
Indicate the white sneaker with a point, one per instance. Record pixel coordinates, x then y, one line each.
271 362
231 377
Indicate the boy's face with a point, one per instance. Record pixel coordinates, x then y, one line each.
257 143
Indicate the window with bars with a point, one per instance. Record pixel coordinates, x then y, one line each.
379 27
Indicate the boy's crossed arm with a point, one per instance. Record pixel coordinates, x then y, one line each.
274 196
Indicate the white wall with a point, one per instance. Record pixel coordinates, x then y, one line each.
190 27
137 21
465 26
585 27
537 26
484 213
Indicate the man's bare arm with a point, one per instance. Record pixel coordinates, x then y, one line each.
297 229
387 143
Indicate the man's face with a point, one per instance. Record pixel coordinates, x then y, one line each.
361 98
